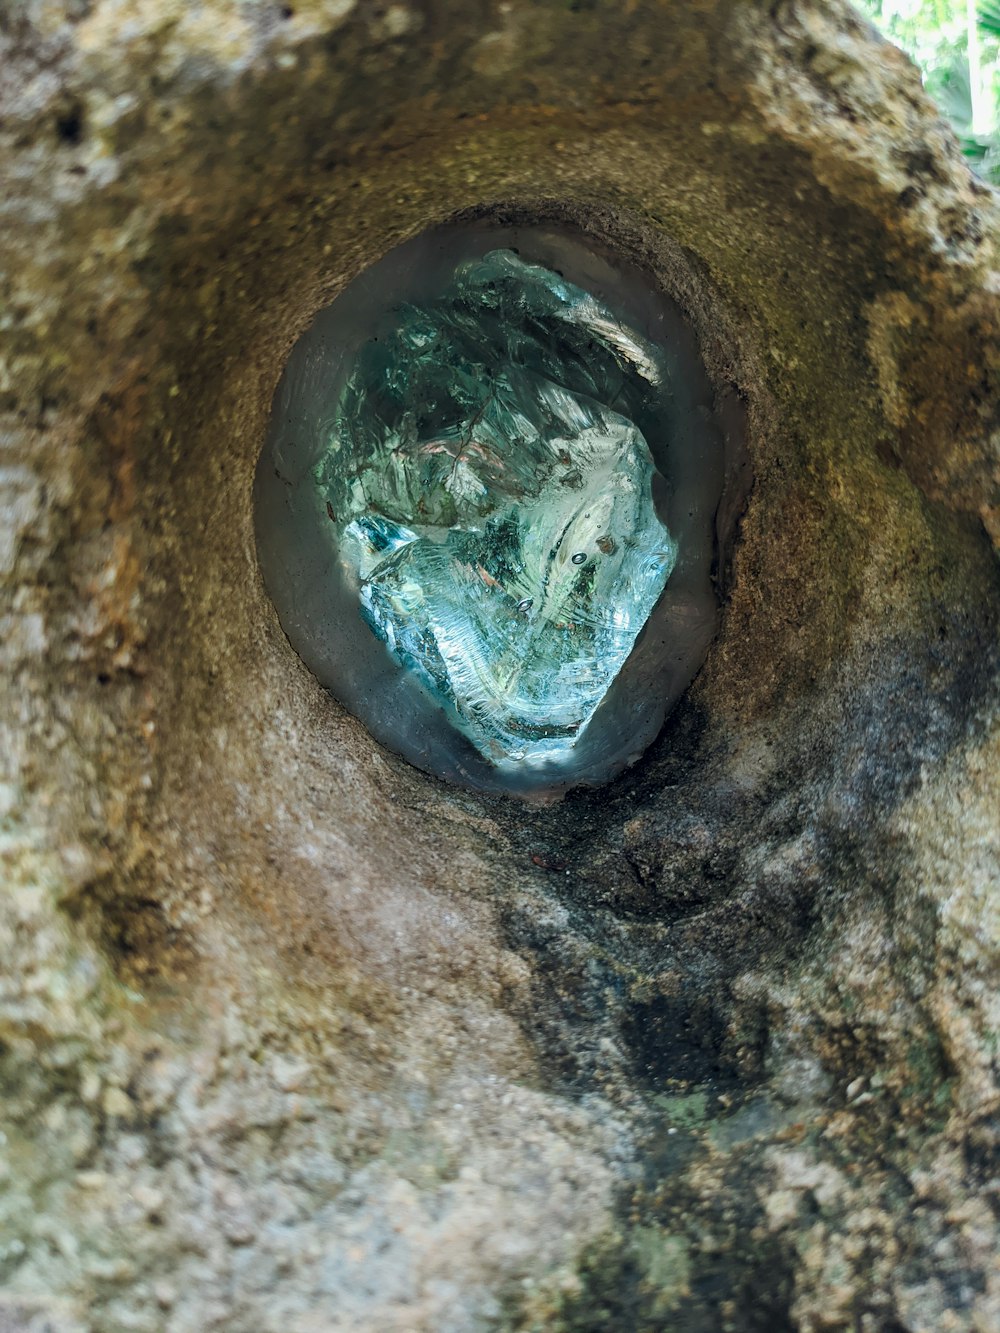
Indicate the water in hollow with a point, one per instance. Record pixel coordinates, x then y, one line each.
485 509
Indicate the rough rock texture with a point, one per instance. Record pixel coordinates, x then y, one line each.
295 1038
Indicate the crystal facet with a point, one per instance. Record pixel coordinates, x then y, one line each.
485 511
493 497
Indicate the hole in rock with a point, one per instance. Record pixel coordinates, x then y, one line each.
486 506
69 126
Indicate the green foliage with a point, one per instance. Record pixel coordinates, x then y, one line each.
989 17
937 36
949 86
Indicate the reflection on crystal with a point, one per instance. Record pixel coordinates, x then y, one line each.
485 511
483 451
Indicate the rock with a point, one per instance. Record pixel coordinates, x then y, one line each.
588 1066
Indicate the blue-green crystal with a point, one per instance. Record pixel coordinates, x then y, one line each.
485 511
493 498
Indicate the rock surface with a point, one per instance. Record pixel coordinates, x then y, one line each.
293 1037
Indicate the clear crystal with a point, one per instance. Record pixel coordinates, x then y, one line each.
486 507
493 500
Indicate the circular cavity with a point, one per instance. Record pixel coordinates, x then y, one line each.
485 509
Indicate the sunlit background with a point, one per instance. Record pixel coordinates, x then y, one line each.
956 45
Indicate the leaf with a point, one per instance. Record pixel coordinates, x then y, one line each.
949 86
989 167
973 150
989 16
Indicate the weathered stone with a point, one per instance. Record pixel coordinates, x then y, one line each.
512 482
295 1037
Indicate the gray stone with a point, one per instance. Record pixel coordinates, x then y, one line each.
294 1037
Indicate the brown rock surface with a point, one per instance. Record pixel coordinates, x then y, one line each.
295 1038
